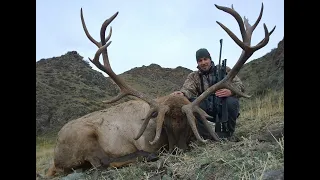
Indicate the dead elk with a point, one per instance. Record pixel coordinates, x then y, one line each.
117 135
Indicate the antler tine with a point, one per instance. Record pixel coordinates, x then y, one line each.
264 41
258 45
103 41
87 32
226 82
98 44
258 19
104 27
233 36
236 15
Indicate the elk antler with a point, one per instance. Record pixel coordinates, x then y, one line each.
246 32
156 109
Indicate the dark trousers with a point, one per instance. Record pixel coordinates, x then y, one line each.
225 129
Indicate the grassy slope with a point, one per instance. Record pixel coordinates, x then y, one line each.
247 159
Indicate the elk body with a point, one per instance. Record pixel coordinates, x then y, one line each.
104 138
117 135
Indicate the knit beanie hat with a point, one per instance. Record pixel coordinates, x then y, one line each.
202 53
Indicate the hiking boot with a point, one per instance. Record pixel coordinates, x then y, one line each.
233 138
227 136
224 135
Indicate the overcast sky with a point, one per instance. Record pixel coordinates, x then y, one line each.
163 32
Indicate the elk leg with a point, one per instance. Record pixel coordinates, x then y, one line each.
172 142
94 158
94 161
127 159
171 139
182 143
120 164
51 171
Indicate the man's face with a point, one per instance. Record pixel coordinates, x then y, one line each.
204 63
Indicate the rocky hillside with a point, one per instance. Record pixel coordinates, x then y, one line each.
67 87
265 73
155 80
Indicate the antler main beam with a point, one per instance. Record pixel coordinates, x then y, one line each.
246 32
156 110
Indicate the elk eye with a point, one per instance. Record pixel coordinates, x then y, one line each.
154 114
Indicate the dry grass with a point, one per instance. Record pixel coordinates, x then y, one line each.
247 159
259 113
44 153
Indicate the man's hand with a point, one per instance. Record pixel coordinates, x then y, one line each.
223 93
177 93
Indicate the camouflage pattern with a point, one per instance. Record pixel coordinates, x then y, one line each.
192 84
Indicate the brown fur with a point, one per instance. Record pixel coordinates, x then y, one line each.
109 134
175 123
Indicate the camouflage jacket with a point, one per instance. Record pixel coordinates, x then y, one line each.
191 86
